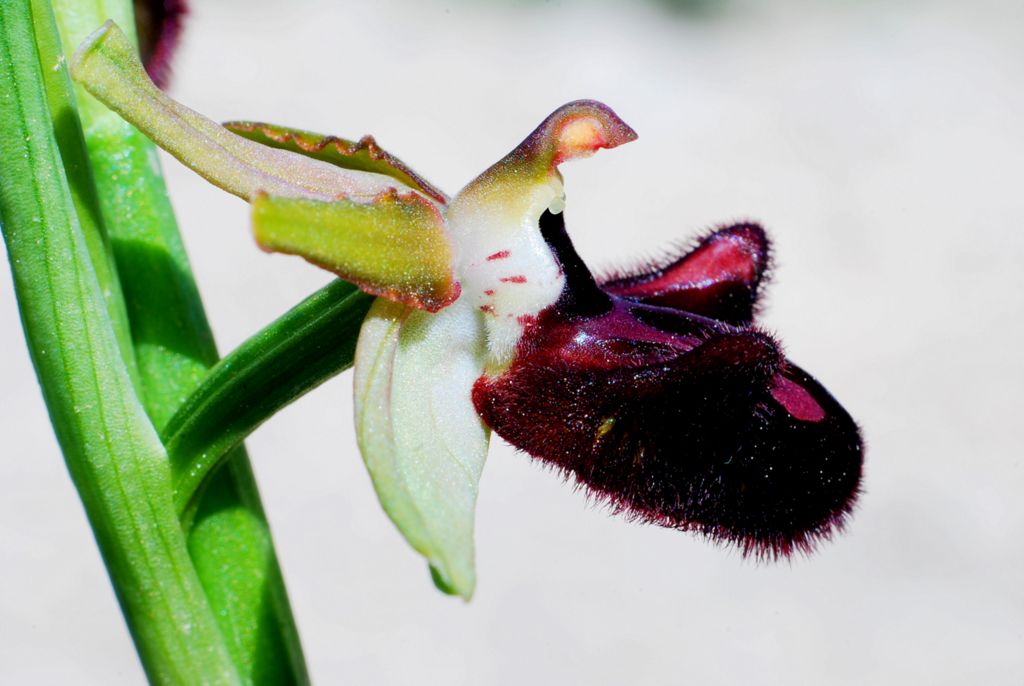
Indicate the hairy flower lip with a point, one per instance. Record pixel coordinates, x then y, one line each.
675 418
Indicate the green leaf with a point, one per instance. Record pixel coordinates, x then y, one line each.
364 155
311 343
112 451
396 247
420 436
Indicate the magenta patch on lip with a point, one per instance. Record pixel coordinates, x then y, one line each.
796 400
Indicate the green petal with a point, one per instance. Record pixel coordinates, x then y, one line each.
364 155
418 431
108 67
395 246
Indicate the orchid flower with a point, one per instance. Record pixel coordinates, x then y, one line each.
652 389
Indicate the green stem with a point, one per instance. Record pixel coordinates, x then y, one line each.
229 540
112 451
311 343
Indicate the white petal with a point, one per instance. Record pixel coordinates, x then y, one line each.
418 431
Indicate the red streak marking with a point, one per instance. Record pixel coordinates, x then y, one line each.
487 309
526 319
517 278
500 255
489 291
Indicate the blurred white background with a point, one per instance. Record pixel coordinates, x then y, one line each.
882 145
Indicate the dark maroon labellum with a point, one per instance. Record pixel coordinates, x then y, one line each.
654 392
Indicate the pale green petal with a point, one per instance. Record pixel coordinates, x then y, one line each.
418 431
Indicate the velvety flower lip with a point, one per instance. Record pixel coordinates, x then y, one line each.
688 419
